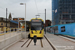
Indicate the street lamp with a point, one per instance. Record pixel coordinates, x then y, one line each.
25 14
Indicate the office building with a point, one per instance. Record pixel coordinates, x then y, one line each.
63 11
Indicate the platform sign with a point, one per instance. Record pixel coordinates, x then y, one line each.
36 23
21 18
36 20
17 18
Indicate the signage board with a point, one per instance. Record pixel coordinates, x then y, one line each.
17 18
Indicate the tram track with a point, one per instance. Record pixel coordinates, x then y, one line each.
29 43
25 43
40 41
50 43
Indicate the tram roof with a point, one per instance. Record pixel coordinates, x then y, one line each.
36 18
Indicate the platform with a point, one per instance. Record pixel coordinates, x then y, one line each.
58 42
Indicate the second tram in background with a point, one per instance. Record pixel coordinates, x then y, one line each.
37 28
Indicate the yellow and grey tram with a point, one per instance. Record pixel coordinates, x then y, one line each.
36 28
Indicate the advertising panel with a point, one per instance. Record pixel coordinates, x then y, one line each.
63 29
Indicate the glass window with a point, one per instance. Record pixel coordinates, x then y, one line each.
1 23
73 11
36 28
66 17
73 1
73 17
67 22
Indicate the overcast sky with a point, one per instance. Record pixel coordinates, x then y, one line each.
33 7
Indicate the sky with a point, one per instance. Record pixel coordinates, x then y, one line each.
33 7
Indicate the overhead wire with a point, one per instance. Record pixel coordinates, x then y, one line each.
5 9
2 8
36 6
8 11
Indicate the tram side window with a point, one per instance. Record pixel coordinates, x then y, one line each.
63 29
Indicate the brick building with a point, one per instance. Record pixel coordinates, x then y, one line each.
48 23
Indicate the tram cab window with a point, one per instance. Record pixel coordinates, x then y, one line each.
36 28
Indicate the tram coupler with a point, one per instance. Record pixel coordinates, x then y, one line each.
35 40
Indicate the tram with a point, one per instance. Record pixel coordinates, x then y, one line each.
36 28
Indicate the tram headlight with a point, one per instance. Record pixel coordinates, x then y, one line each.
31 32
40 32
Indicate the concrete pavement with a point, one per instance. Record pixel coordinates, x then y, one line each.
60 43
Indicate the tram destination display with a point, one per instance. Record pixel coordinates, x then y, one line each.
36 24
36 20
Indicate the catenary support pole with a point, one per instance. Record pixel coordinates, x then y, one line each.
45 21
6 20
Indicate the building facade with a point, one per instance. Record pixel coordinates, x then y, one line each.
48 23
10 24
65 11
